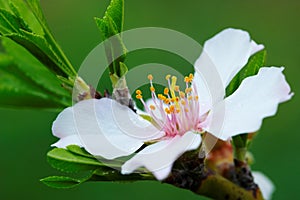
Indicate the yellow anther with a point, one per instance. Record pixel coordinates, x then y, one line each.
188 90
161 97
167 110
168 77
172 108
183 102
176 88
186 110
175 99
191 76
150 77
139 96
196 98
166 91
182 94
177 110
174 79
173 84
190 98
186 79
152 107
152 89
138 92
167 101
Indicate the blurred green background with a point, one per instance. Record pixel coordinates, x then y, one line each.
26 135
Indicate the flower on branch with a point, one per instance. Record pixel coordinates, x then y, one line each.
179 116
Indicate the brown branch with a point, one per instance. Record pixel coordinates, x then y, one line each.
190 172
217 187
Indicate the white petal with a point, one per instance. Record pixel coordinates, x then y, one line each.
256 47
207 90
265 184
105 127
228 52
256 98
126 121
64 125
68 140
159 157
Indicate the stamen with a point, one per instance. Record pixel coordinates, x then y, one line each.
172 108
152 107
138 92
167 110
168 77
167 101
178 109
188 90
182 95
191 77
174 80
186 79
166 91
162 97
150 77
152 89
139 96
183 102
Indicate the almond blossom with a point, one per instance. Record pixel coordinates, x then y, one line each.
179 116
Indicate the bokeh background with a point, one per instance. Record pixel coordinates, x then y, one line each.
26 136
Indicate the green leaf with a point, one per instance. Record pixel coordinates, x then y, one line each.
115 175
61 182
4 4
24 23
240 141
36 9
83 167
17 90
123 69
115 11
254 64
35 70
66 161
114 46
11 22
79 151
39 47
64 182
112 24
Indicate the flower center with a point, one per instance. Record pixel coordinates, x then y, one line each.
175 111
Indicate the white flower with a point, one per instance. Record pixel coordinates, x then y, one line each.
110 130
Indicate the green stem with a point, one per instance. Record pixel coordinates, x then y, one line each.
240 146
240 153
